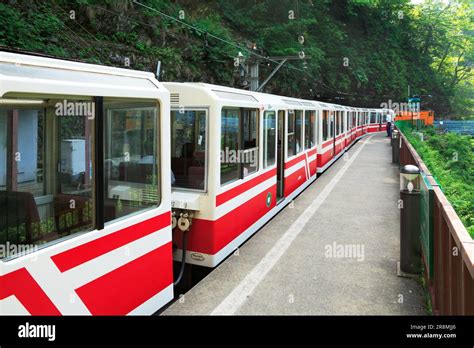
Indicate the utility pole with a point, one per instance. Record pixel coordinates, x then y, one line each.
253 69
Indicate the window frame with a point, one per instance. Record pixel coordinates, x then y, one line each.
373 117
47 112
97 157
206 161
294 133
257 140
240 137
265 146
312 131
291 112
332 124
133 103
325 119
301 131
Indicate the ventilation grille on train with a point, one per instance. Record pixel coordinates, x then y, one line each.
174 98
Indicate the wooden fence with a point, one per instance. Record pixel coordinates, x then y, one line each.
451 282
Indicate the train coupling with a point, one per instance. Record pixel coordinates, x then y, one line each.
184 221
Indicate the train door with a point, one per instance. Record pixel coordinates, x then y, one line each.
354 125
333 131
281 155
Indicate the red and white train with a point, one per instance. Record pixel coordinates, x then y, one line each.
107 175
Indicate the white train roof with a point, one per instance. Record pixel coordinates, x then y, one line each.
24 74
194 92
232 95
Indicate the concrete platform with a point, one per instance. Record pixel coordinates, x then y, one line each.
333 252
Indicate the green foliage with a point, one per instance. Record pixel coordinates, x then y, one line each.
34 31
387 45
450 158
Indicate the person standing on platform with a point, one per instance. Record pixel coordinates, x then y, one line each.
389 125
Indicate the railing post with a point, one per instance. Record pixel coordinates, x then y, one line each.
445 304
455 272
468 292
438 269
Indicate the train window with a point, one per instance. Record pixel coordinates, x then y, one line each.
3 149
309 134
373 117
325 124
343 121
331 124
45 171
130 157
298 130
230 144
318 131
291 133
188 148
341 118
295 122
269 138
337 118
239 143
250 143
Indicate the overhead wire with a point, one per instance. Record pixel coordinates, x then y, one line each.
100 53
311 82
210 35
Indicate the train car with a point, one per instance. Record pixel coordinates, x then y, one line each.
378 119
238 158
84 189
347 127
353 124
365 122
332 137
374 121
107 175
339 131
360 122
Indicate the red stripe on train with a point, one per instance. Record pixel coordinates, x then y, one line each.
215 235
295 160
127 287
24 287
327 143
212 236
324 158
235 191
76 256
295 180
